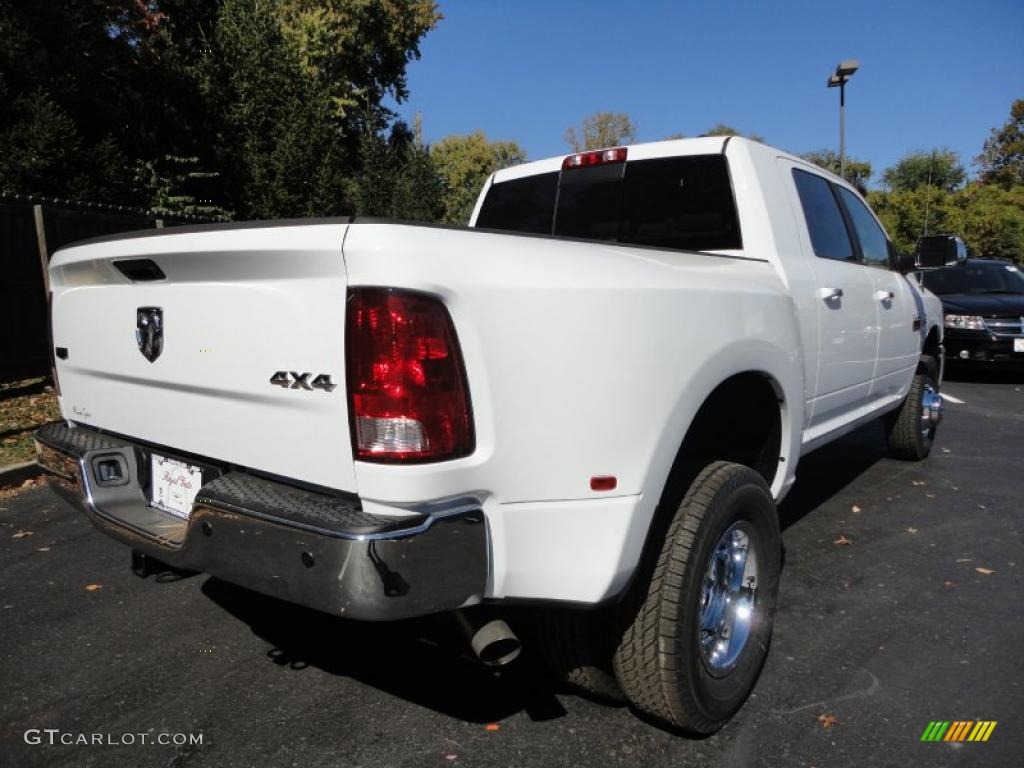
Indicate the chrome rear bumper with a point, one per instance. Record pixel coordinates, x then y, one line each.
310 548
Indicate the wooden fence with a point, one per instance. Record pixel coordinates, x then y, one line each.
31 230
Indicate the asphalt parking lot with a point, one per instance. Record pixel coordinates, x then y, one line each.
914 615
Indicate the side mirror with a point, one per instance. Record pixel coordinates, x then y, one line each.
937 251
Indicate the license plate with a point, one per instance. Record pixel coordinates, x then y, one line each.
1018 345
174 485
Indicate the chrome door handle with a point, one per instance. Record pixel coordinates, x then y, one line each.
830 294
885 295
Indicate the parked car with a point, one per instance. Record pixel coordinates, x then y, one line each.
589 402
983 302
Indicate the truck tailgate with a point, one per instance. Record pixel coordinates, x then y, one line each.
235 306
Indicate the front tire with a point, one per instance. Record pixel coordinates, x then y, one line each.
911 429
698 632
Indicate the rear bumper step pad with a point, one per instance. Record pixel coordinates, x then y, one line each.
314 549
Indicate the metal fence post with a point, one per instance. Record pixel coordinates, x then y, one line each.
44 255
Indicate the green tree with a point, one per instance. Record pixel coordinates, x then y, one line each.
278 144
721 129
178 185
398 178
68 88
358 49
418 190
1002 159
857 172
464 162
991 220
600 130
275 97
910 213
939 168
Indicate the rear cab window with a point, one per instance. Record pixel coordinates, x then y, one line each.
682 203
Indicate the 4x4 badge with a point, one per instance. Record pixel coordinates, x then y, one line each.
149 331
293 380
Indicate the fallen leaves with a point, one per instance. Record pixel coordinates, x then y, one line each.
827 721
93 587
910 529
492 727
843 540
984 571
22 535
855 509
918 482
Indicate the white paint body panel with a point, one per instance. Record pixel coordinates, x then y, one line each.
582 359
238 305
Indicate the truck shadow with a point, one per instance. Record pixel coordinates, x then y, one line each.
424 661
427 661
825 472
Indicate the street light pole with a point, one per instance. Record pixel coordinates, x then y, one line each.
844 71
842 129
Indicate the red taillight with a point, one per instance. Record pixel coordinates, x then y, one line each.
597 157
408 399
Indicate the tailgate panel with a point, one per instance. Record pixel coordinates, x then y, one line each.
238 305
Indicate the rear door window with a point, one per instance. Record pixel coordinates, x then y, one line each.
829 236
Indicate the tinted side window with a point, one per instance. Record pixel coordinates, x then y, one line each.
825 224
521 205
874 245
680 202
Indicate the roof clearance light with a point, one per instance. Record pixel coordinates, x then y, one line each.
597 157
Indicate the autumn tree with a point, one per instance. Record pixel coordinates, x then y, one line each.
602 129
464 162
939 168
1002 158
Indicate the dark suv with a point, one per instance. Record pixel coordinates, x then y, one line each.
983 301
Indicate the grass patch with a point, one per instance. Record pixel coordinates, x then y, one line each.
24 407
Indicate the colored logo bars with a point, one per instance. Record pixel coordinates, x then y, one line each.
958 730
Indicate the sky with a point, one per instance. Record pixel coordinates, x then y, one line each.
940 73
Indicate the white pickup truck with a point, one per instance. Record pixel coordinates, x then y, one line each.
589 401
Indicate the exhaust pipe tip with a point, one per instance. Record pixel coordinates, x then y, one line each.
495 644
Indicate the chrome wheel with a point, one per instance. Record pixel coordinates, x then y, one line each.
931 410
728 602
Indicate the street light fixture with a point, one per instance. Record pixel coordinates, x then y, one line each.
844 71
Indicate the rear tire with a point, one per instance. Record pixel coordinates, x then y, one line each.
576 647
692 649
911 429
